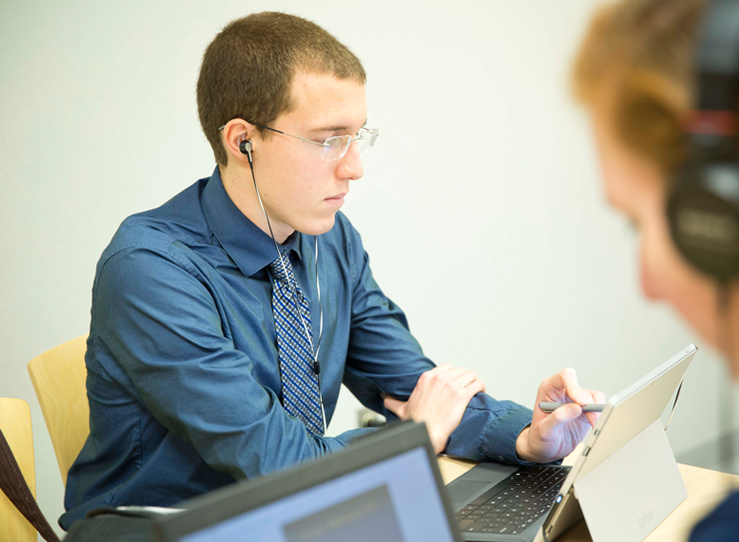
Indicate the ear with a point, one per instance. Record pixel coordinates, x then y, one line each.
236 131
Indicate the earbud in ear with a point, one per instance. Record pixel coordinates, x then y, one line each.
245 148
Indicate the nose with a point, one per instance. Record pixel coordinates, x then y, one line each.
350 166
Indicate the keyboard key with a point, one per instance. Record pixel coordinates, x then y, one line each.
475 527
490 493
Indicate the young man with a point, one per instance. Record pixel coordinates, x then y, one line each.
201 368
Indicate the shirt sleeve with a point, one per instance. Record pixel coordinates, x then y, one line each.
384 357
160 323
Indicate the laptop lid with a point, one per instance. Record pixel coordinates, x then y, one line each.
386 486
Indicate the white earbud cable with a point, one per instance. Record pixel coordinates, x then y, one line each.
316 364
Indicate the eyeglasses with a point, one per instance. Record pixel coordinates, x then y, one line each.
334 148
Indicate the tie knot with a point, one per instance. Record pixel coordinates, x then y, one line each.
282 273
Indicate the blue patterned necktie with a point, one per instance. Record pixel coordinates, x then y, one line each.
300 391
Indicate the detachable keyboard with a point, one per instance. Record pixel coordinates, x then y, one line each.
515 503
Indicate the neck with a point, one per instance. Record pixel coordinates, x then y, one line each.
727 320
239 186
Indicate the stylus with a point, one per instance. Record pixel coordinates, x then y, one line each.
590 407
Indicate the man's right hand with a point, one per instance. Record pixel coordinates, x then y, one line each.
439 400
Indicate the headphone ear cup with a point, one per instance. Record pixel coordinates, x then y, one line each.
703 216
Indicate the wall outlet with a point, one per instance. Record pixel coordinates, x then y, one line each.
369 418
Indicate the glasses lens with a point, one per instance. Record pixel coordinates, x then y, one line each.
335 147
366 139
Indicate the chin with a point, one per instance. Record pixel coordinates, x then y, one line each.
734 368
318 227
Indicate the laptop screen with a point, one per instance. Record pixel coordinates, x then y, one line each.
395 500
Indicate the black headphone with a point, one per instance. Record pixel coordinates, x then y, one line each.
245 148
703 202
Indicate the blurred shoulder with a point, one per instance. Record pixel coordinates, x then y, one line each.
720 525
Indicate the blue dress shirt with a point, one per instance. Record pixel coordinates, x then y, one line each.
721 525
182 372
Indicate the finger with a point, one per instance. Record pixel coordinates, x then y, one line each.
395 406
587 396
435 372
443 368
473 389
563 415
573 390
431 375
470 377
598 397
465 379
454 373
552 388
445 378
592 417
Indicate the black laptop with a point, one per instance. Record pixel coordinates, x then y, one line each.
385 487
494 502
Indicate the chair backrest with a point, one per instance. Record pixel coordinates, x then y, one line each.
59 377
15 423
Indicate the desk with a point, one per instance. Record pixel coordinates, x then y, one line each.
706 489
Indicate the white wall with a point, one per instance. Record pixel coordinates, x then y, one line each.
484 183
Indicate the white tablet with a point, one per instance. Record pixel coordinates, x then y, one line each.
625 480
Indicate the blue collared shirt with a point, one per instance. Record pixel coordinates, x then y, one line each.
721 525
182 372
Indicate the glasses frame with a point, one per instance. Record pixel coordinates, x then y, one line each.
361 134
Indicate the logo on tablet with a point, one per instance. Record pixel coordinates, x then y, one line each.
646 518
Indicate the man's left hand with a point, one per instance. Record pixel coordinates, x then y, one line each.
555 435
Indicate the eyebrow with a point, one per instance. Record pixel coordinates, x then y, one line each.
335 128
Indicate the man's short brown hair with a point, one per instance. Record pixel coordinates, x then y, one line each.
248 69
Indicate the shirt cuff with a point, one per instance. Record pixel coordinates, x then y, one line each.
500 435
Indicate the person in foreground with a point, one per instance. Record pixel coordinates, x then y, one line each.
201 369
646 73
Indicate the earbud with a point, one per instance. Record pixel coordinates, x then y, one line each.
245 148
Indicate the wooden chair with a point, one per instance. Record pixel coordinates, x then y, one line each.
15 423
58 377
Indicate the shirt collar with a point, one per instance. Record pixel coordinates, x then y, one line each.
248 246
